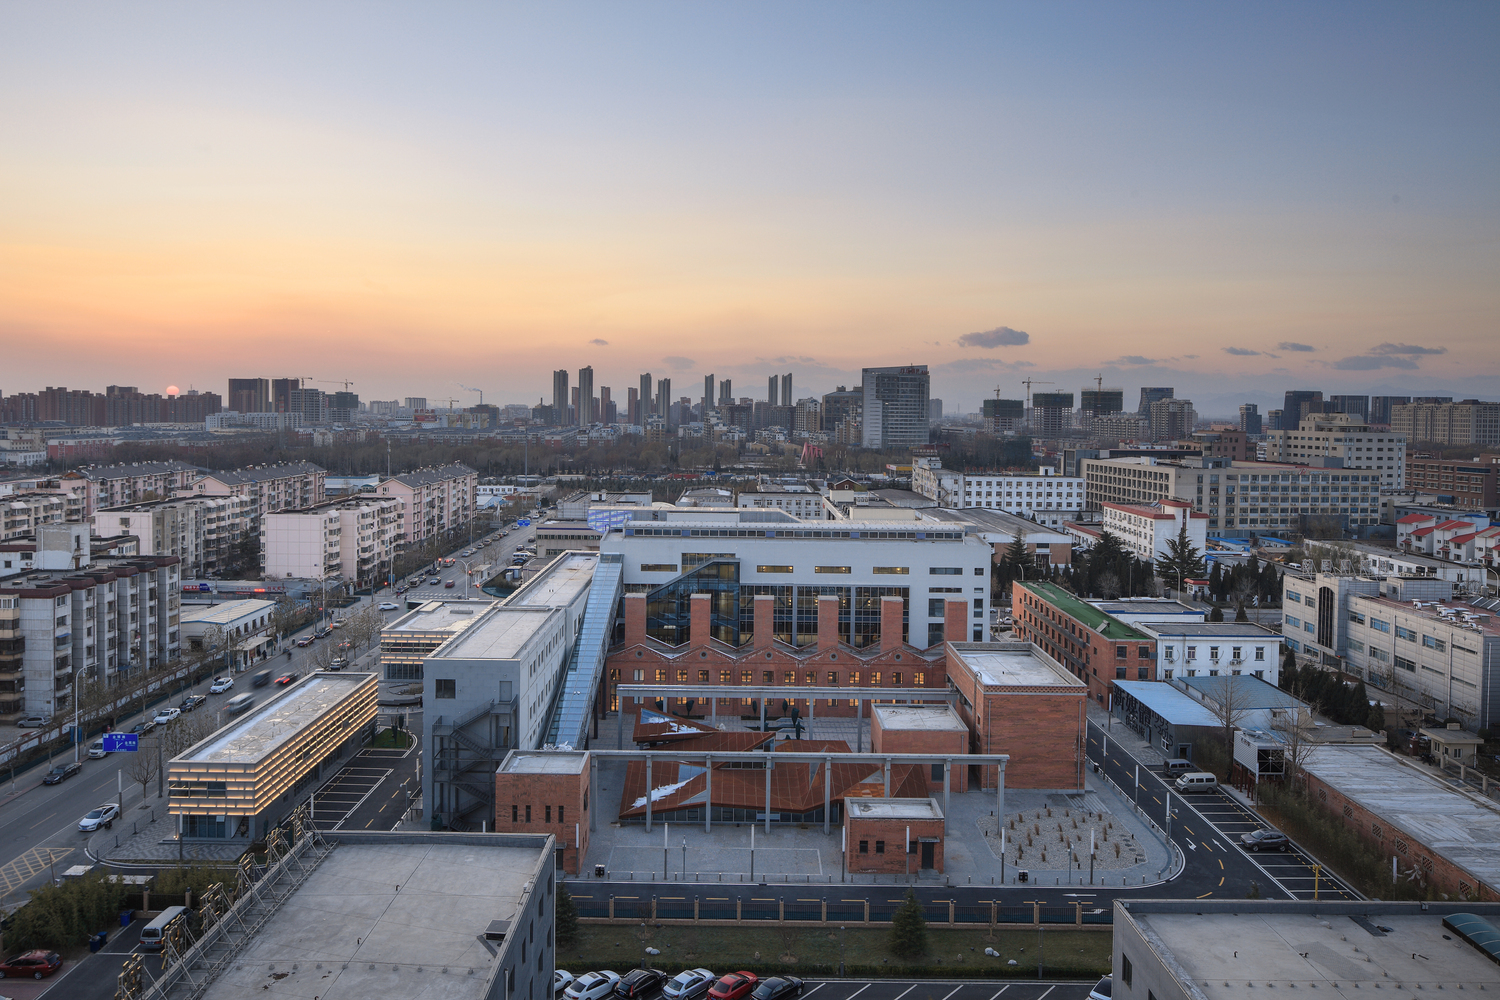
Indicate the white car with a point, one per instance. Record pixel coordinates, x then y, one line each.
166 715
688 984
220 685
103 816
388 606
592 986
561 980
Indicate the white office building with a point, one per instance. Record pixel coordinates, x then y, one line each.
1146 529
1043 496
1214 649
1345 437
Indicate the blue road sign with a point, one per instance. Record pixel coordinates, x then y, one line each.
523 523
115 742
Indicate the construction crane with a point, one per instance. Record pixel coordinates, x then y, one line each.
451 401
472 389
346 383
1028 383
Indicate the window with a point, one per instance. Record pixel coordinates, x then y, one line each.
879 847
895 678
1356 618
1379 625
446 688
773 569
979 571
1402 632
528 814
1404 664
1432 642
658 567
724 677
1260 652
768 677
833 678
1213 652
1120 653
703 677
942 571
1192 652
514 810
979 604
549 814
841 570
1127 971
875 678
560 814
864 847
891 570
934 608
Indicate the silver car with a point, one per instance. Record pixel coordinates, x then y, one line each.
688 984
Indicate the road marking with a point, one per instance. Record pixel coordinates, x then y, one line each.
1205 895
21 870
1221 879
819 987
1221 864
1044 995
48 816
955 990
1001 990
865 987
912 987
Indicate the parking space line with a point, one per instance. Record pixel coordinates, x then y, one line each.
1044 995
905 991
814 989
857 992
1001 990
955 990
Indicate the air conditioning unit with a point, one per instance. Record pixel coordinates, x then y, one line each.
1235 663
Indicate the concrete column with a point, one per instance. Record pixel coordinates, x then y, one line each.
708 783
648 794
947 776
810 702
1000 792
768 793
887 777
827 790
762 714
592 765
859 725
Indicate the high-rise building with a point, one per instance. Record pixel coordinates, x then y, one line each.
1250 418
605 414
664 400
560 399
773 391
1151 393
1273 420
895 405
1468 422
1299 403
726 397
708 395
281 393
1051 413
1004 416
250 395
1172 419
1380 407
646 408
588 407
633 406
934 410
1342 436
1355 406
415 403
311 403
1098 402
786 390
842 410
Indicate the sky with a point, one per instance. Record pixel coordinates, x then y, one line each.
430 199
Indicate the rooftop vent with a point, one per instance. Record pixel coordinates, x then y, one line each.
497 930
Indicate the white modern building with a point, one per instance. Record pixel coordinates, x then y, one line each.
245 626
1214 649
797 500
895 406
1345 437
1043 496
352 539
670 554
1145 529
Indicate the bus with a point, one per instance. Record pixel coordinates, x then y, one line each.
155 932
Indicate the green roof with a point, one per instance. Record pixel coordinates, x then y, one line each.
1106 625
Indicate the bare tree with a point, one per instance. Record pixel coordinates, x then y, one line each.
1295 724
143 765
1230 706
1107 584
285 616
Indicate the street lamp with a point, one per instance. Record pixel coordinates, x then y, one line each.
467 572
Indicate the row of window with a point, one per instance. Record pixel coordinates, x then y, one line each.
1191 652
768 677
515 813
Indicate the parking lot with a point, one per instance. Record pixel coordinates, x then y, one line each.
1291 870
937 989
337 800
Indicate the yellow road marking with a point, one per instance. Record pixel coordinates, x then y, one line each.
19 871
42 820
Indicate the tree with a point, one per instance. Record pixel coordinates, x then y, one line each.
909 928
1183 561
1230 706
1217 614
142 765
566 919
1239 613
1296 724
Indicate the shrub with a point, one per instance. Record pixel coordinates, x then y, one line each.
62 916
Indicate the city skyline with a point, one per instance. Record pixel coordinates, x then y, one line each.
1234 203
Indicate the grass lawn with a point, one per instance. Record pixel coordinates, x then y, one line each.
817 949
391 739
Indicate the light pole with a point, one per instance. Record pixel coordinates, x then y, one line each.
467 572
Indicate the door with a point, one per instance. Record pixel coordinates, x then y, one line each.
929 852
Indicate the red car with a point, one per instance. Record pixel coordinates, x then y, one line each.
35 964
449 584
734 986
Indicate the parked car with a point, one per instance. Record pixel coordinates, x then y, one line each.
323 632
191 702
1265 840
734 986
220 685
143 727
338 663
688 984
166 715
561 980
35 721
286 679
388 606
778 988
306 640
36 964
637 984
96 750
1103 989
592 986
103 816
62 772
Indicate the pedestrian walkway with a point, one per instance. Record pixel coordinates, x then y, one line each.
149 836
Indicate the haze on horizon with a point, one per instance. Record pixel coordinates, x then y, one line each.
1235 200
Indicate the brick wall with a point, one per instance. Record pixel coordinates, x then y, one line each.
925 741
884 842
562 797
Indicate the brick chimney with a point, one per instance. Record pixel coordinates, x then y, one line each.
828 622
765 621
702 617
635 619
891 611
955 620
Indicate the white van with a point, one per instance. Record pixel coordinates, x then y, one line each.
239 703
154 932
1197 781
1177 766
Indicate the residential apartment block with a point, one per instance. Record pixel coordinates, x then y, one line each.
1471 484
1468 422
436 501
268 488
199 531
115 485
798 501
1345 437
354 539
1146 529
1043 496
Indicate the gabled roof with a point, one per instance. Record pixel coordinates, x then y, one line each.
1460 539
1424 532
1416 518
1450 525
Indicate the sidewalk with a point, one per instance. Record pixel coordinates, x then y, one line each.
148 835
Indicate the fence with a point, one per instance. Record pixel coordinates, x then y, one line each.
868 911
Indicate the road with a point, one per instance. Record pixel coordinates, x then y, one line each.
39 823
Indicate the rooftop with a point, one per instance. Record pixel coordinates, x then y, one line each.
1148 605
1106 625
997 522
1012 664
439 616
226 613
1460 827
559 583
427 477
1451 613
939 718
549 762
861 808
1170 703
1249 692
498 634
253 736
1211 630
373 915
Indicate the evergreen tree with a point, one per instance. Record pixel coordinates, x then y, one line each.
1376 719
1216 583
909 928
1289 676
1216 615
566 918
1183 561
1239 614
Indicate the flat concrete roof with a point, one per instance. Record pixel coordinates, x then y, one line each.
1327 952
227 612
1460 827
1012 664
892 808
934 717
254 735
1211 630
550 762
559 582
1170 703
370 916
498 635
439 616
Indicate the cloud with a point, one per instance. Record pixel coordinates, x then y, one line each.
1241 352
1289 345
599 343
966 365
1386 349
1000 336
787 359
1368 362
678 362
1132 359
1191 357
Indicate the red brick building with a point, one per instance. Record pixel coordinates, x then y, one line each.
923 729
1473 484
546 792
893 836
1095 647
1017 700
